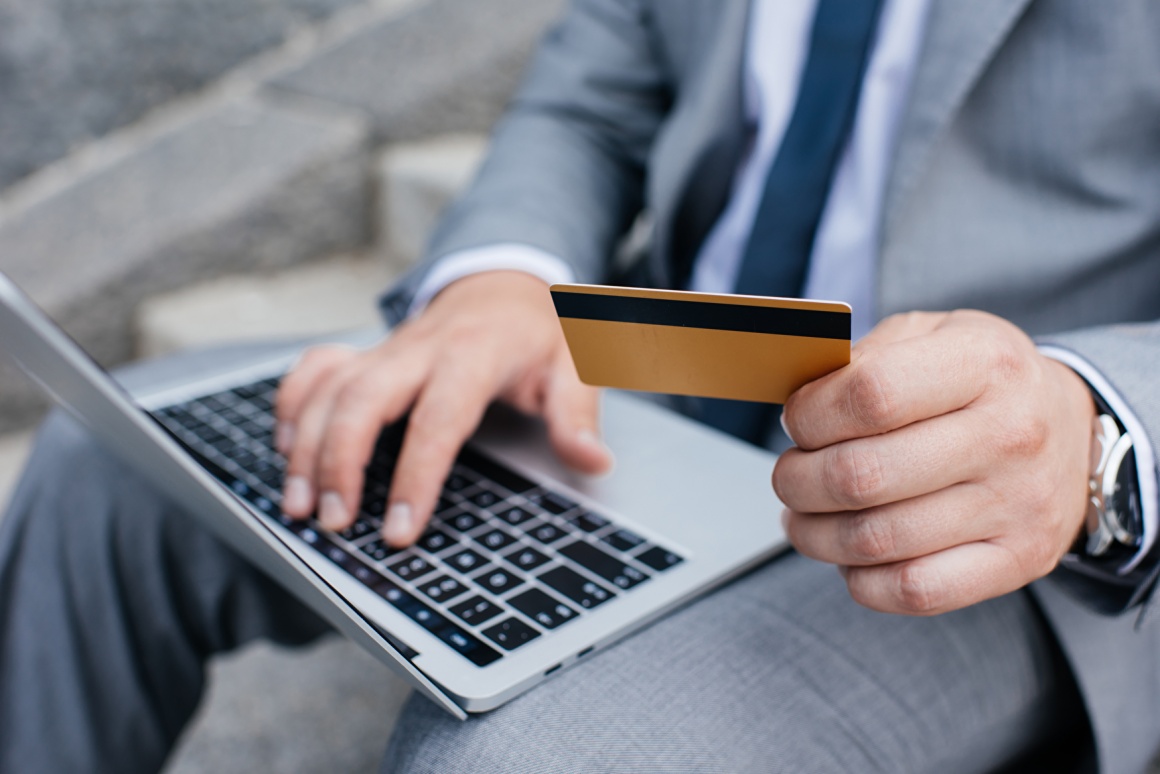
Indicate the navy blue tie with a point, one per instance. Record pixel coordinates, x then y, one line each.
778 251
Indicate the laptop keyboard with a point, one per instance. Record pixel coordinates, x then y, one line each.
503 562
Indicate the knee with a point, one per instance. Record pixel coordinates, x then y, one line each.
61 451
61 444
73 489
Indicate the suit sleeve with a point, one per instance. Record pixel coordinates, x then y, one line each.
565 171
1127 358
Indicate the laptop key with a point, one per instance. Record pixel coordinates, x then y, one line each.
378 550
497 581
468 646
542 608
462 521
368 576
431 620
411 568
496 540
336 554
212 403
553 503
466 560
526 558
511 634
443 588
360 528
590 522
611 569
658 558
500 474
576 587
484 499
457 482
263 402
476 610
515 516
434 541
246 391
373 503
623 540
544 532
269 475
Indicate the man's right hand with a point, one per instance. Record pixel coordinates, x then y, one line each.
485 337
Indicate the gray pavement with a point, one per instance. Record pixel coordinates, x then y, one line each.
320 710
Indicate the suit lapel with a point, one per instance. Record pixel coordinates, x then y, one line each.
961 39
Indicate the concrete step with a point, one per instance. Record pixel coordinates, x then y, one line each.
73 73
416 181
336 294
443 66
244 186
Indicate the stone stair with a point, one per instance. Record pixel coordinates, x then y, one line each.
271 166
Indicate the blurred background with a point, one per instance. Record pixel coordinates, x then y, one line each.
181 173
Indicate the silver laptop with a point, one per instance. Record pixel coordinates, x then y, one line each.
526 568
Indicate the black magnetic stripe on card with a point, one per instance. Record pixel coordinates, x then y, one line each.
814 323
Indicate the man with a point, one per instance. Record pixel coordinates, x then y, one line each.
999 157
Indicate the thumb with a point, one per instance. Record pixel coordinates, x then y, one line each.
572 413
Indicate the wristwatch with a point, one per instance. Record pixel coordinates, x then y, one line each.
1095 571
1115 526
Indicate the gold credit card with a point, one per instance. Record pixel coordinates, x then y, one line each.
704 344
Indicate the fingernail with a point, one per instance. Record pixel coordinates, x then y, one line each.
399 523
284 438
593 441
332 511
588 437
785 428
296 496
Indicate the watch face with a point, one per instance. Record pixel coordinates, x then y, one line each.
1124 505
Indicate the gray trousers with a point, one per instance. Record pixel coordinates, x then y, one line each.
112 599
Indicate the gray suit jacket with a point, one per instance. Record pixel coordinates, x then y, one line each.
1026 182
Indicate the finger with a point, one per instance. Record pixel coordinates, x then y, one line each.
298 384
895 532
891 386
938 583
572 413
377 396
866 472
446 413
299 494
899 327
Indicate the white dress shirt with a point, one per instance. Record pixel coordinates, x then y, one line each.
845 252
842 266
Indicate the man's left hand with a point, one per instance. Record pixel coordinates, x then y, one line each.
946 465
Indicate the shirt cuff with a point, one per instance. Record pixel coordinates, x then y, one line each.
1145 455
507 256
